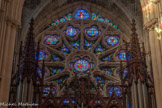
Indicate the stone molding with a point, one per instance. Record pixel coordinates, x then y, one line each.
151 24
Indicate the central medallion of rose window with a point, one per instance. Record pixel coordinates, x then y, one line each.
81 65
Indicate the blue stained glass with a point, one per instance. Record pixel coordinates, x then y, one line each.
75 45
93 31
46 90
108 70
64 49
51 39
124 73
104 20
81 65
71 31
116 90
40 72
99 49
108 58
67 17
42 56
112 40
66 101
55 70
122 55
88 44
55 58
81 14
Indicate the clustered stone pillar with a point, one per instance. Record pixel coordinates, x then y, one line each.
10 20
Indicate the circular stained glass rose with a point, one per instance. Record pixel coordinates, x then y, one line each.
112 40
71 31
81 65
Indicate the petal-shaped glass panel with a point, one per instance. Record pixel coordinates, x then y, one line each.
81 14
112 40
46 90
115 90
71 31
42 56
93 31
51 39
122 55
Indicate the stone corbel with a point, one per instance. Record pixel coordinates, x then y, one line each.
155 1
150 25
13 22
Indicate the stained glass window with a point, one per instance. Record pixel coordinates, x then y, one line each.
124 73
108 58
93 31
122 55
55 58
101 81
51 39
61 81
114 90
42 56
47 89
67 17
88 44
76 45
108 70
55 70
40 72
104 20
99 49
71 31
112 40
81 65
81 14
65 49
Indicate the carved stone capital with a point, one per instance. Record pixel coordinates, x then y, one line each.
13 22
151 24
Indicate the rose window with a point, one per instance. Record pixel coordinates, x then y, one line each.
82 43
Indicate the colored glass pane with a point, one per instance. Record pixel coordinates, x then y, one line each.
112 40
75 45
64 49
93 31
51 40
55 58
71 31
100 81
42 56
61 81
40 72
115 90
81 14
81 65
46 90
88 44
67 17
99 49
109 58
55 70
108 70
124 73
104 20
122 55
